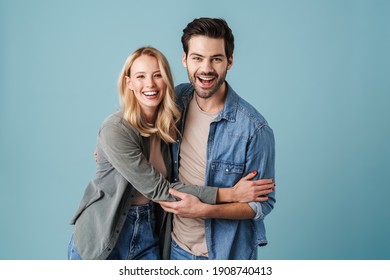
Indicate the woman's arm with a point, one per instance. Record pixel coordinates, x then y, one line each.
246 190
122 147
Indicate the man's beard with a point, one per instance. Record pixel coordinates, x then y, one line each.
207 93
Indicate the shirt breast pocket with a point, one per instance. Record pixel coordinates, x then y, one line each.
226 174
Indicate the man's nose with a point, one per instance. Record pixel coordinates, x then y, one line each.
207 66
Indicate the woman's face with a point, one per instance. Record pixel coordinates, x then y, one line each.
147 83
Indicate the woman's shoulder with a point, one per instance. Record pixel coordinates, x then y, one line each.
117 124
113 119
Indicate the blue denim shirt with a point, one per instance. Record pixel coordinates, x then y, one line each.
240 141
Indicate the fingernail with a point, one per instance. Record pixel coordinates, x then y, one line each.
254 172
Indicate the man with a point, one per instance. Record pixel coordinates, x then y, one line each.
223 138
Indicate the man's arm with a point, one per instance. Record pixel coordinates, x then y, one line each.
191 207
261 157
246 190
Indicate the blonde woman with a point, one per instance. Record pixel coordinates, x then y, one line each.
116 218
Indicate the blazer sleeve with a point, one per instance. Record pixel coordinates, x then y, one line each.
122 147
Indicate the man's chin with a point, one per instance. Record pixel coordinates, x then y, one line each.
204 94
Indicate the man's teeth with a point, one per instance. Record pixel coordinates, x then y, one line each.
206 79
150 93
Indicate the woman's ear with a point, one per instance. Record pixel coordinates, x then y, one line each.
128 83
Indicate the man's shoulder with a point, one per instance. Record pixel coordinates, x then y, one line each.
182 92
183 89
248 111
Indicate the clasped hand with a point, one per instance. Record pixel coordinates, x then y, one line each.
245 190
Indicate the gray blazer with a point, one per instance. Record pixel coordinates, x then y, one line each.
122 168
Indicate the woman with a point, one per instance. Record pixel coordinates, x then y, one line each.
116 217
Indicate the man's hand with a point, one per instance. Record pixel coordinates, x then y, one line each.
189 206
246 190
95 154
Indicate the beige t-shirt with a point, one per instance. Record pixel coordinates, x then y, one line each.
189 233
157 161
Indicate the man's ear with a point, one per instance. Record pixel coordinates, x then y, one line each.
230 62
184 60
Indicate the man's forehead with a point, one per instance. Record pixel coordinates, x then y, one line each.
206 46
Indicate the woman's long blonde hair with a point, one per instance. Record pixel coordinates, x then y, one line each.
167 115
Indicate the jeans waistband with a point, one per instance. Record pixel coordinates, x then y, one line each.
142 209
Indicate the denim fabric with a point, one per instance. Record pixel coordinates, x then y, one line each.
73 254
177 253
136 241
240 141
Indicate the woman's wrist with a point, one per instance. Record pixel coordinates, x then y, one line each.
225 195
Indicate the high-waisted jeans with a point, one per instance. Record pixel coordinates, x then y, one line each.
137 240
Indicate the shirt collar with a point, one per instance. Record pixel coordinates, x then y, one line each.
229 110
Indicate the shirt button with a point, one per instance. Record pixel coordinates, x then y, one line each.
227 170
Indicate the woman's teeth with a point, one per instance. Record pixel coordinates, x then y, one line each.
150 93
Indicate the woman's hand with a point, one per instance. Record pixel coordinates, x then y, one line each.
247 190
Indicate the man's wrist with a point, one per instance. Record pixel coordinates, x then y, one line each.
204 210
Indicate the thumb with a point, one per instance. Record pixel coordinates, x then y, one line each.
176 193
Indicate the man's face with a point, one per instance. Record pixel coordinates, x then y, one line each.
207 65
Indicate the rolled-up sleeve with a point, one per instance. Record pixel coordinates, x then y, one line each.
261 157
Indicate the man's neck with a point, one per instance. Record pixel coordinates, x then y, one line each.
213 104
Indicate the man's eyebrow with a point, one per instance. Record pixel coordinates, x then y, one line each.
196 54
213 56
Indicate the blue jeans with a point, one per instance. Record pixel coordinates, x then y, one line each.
177 253
73 254
137 240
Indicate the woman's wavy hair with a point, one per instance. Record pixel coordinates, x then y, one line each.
167 115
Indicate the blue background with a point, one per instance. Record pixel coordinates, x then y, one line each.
317 70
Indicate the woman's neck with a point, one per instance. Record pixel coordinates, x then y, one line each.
150 116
